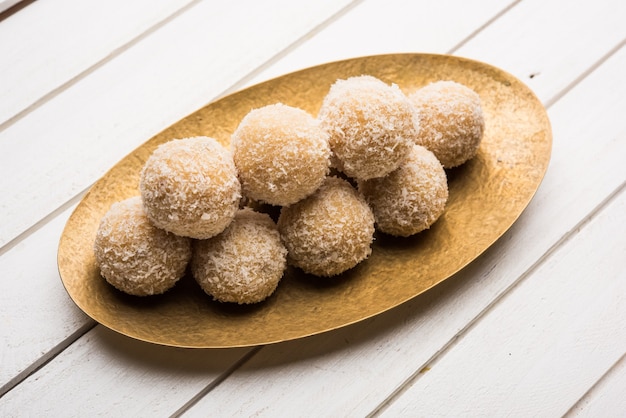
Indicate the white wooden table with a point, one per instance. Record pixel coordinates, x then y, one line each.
536 326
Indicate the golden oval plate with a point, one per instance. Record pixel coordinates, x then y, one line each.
487 195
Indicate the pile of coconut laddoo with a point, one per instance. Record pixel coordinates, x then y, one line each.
197 205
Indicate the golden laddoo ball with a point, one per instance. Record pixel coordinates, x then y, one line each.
190 187
136 257
411 198
451 121
371 126
243 264
330 231
281 153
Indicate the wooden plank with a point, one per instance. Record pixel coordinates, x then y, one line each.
124 378
40 50
606 398
546 343
366 362
37 315
75 138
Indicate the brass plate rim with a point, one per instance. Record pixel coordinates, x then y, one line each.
503 91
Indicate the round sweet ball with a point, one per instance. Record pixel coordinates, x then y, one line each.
243 264
136 257
330 231
451 121
190 187
371 126
281 153
411 198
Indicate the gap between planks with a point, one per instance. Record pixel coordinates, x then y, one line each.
483 27
43 221
586 73
14 8
592 390
215 382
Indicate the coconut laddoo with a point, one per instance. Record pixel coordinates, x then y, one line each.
243 264
330 231
411 198
190 187
281 153
136 257
451 121
371 126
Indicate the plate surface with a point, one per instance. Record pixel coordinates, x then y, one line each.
487 195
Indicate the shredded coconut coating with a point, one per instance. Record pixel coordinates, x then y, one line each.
281 153
411 198
136 257
371 126
330 231
190 187
243 264
451 121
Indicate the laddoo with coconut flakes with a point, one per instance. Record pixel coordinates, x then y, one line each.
371 126
330 231
190 187
411 198
281 153
136 257
244 263
451 121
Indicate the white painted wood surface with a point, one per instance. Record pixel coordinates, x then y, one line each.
68 45
555 332
534 327
606 395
